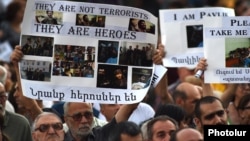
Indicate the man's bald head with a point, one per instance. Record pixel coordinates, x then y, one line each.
188 88
186 95
187 134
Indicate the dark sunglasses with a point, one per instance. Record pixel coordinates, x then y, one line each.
45 127
78 116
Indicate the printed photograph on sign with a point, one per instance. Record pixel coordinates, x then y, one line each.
111 76
140 25
49 17
108 51
237 52
90 20
140 78
35 70
37 45
194 36
74 61
136 54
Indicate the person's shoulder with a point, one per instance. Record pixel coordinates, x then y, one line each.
16 116
68 136
17 120
44 21
55 20
99 122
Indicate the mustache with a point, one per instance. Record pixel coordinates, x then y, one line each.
85 127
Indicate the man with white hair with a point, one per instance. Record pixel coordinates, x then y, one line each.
47 127
79 118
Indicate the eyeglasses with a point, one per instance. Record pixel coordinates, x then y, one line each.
78 116
45 127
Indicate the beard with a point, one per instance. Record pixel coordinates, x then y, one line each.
85 130
54 138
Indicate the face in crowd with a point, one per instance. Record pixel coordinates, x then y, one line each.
79 118
50 14
161 128
48 127
210 111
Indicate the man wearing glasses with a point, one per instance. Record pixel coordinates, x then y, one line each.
47 127
79 119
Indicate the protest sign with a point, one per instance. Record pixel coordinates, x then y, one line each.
227 50
182 33
86 52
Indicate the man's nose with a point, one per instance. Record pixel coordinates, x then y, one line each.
51 130
84 119
217 119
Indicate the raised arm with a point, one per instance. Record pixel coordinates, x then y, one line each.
207 89
31 106
161 89
125 111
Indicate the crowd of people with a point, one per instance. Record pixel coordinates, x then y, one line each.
137 55
38 46
174 111
86 20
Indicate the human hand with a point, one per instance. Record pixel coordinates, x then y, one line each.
201 67
158 55
16 55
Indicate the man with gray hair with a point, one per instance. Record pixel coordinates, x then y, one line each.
79 119
47 127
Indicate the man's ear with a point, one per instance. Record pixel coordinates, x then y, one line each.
197 122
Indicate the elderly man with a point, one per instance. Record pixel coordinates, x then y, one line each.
47 127
79 118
